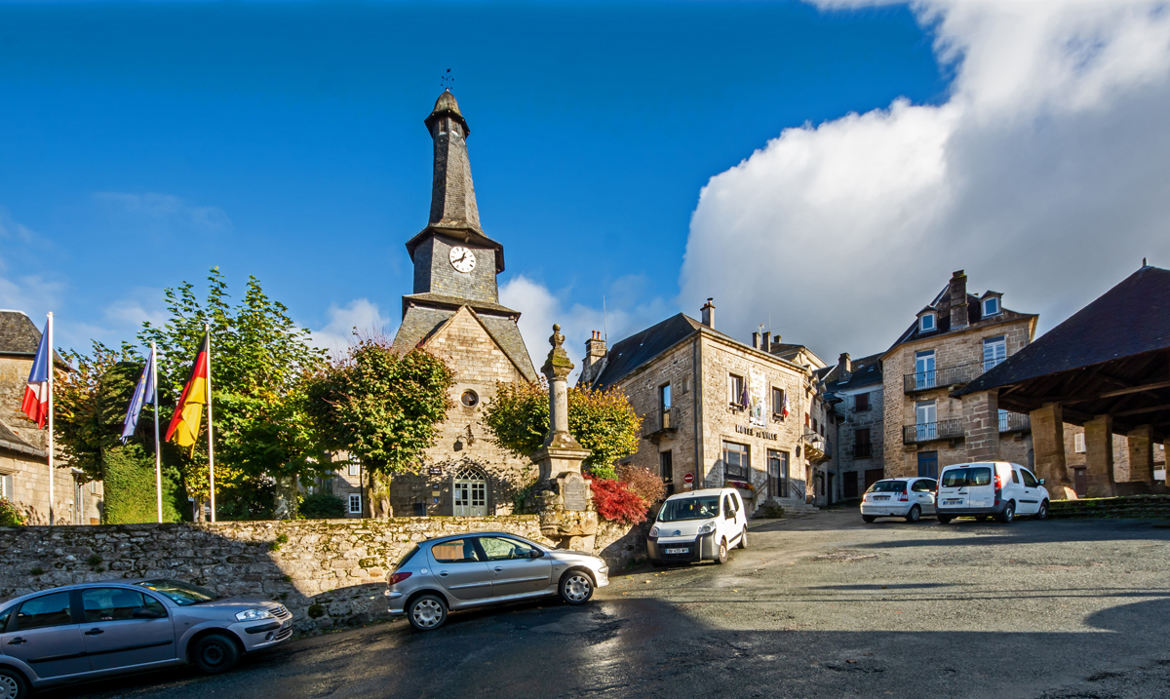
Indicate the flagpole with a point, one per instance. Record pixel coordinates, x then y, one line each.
210 441
49 344
157 448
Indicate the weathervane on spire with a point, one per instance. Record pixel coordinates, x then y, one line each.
448 79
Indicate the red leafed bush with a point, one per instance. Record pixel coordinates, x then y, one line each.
616 502
643 482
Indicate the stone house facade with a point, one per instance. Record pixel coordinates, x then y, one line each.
454 312
717 410
955 338
854 388
24 458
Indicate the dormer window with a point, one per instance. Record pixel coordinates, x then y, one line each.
991 306
927 323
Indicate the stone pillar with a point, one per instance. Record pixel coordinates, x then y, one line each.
567 515
1099 457
1141 454
981 425
1048 447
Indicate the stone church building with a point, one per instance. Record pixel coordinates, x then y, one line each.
455 313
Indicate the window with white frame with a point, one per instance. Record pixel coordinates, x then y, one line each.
736 390
355 469
994 351
926 323
6 486
1079 442
991 306
355 504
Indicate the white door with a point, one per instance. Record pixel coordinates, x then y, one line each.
924 376
470 497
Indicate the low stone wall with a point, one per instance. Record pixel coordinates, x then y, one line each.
1135 506
329 573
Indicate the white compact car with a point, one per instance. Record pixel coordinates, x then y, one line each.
899 497
988 488
698 525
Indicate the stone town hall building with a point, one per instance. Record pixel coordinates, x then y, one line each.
455 313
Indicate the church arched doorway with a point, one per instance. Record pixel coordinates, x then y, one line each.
469 492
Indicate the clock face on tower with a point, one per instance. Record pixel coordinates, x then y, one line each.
462 259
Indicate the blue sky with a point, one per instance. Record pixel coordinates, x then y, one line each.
142 143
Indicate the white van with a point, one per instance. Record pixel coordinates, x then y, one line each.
698 525
986 488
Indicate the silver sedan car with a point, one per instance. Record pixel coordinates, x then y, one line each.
473 570
91 630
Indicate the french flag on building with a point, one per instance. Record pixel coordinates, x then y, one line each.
36 396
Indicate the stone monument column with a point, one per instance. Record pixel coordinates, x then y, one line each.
567 515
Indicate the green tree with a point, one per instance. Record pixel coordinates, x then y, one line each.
383 408
260 362
603 422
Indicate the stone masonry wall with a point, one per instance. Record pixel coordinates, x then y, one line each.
329 573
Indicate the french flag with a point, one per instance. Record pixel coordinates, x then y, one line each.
36 396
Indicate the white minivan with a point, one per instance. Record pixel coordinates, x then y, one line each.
990 488
698 525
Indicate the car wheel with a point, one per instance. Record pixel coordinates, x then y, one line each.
576 587
1042 513
12 684
914 514
743 538
427 612
721 555
1009 512
868 519
944 519
214 653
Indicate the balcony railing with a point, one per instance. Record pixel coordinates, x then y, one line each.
929 431
941 377
1014 422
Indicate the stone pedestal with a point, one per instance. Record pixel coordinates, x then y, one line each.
1099 457
564 498
1048 449
1141 454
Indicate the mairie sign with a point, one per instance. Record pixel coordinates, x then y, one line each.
762 434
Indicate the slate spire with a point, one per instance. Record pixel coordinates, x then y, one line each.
452 193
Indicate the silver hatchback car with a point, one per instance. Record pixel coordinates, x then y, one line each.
92 630
482 568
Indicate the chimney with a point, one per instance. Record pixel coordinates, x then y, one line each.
844 365
775 342
595 351
958 299
708 311
766 342
756 340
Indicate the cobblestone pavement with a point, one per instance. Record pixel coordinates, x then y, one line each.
821 605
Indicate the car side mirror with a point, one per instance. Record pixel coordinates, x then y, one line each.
536 553
1041 481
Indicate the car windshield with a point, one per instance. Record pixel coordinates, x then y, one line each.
960 477
181 593
689 508
887 487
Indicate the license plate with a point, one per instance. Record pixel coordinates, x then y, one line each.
881 497
677 550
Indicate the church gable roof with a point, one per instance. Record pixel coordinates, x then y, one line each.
422 326
18 334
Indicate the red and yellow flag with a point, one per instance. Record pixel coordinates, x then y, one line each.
184 426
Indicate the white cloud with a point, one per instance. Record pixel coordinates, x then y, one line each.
166 207
360 318
32 293
625 308
1043 175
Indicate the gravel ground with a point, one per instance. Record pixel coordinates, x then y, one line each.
821 605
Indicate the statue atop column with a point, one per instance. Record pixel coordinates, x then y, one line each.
566 502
